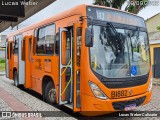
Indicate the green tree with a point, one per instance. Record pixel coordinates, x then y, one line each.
134 6
110 3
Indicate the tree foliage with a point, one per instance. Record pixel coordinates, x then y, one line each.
133 6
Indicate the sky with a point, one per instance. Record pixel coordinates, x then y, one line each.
62 5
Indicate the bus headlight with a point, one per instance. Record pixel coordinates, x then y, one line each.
150 85
97 91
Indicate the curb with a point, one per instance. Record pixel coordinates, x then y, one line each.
2 73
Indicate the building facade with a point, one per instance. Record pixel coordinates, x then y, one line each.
154 37
152 23
2 40
154 34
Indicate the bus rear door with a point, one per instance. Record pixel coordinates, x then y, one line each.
7 59
21 62
9 69
28 42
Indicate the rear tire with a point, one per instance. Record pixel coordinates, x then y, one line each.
16 79
50 93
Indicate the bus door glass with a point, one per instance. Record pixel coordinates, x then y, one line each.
7 58
76 66
21 62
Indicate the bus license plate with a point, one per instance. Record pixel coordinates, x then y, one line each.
130 107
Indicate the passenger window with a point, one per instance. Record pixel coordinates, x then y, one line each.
16 39
10 56
57 44
7 51
46 39
15 45
23 50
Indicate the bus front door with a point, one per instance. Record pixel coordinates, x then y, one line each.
69 80
76 66
65 65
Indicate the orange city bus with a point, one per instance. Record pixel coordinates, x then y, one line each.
88 58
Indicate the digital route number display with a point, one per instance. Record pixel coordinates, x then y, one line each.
115 16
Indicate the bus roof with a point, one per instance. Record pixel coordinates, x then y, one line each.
77 10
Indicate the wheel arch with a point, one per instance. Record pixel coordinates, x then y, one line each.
45 80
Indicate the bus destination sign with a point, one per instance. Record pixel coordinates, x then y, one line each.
115 16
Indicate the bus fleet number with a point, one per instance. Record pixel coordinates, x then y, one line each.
121 93
100 15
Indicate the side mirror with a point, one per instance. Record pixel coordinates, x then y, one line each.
89 37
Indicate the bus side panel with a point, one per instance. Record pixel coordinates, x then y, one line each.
37 73
39 69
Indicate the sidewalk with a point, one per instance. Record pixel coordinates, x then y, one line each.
2 73
17 100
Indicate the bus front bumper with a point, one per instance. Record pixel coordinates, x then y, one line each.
92 104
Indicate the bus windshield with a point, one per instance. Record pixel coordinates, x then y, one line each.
119 53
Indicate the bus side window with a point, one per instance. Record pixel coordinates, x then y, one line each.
40 42
7 51
34 42
16 39
23 50
46 39
10 52
57 44
15 49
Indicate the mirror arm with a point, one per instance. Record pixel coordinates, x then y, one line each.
90 18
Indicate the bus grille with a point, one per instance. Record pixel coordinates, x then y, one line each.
113 83
121 105
128 82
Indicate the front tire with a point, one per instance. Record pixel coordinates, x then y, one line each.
50 93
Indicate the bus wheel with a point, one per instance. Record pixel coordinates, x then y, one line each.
15 78
50 93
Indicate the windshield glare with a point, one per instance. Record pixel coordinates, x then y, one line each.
120 52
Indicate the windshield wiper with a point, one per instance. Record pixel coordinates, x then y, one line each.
137 36
117 35
131 47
